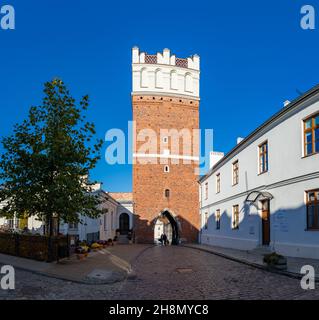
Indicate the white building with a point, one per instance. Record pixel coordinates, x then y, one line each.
33 224
265 191
117 219
124 217
89 229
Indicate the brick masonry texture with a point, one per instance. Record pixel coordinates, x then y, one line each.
150 180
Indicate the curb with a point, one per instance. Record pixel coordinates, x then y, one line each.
250 264
119 276
132 274
52 276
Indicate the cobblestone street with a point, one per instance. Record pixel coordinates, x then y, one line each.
170 273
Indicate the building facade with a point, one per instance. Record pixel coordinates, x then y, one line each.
112 223
165 99
124 217
265 192
116 219
15 224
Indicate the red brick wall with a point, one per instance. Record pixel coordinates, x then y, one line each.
150 181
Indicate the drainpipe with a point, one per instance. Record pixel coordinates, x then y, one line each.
200 211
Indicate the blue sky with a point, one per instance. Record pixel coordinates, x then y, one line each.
254 56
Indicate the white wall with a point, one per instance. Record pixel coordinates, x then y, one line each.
289 176
108 220
34 225
165 77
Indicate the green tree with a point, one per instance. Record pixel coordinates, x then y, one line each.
47 160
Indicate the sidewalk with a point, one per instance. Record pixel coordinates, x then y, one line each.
102 267
254 258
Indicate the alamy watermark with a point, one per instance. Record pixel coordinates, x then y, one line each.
161 146
308 281
7 17
7 278
308 19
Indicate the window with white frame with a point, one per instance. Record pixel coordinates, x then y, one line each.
235 172
206 221
217 217
311 135
235 217
263 157
218 183
206 190
312 209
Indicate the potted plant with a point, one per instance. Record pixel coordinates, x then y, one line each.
274 260
110 242
96 247
102 243
81 252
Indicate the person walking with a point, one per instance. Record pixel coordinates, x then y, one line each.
165 239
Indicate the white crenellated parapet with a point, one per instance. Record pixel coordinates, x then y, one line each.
163 73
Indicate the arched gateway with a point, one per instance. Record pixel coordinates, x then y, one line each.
167 224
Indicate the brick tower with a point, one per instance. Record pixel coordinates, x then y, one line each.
165 101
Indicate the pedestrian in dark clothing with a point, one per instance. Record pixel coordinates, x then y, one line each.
165 239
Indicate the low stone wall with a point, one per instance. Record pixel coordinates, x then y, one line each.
39 248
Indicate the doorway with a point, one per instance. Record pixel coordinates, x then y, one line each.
124 224
265 218
167 224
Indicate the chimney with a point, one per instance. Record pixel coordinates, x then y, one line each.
286 103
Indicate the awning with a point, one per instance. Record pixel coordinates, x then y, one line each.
254 196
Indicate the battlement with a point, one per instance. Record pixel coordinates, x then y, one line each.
165 74
165 58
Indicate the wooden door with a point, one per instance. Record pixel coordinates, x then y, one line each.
124 223
265 218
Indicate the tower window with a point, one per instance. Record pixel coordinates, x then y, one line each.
166 169
167 193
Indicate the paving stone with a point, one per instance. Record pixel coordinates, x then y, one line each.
212 277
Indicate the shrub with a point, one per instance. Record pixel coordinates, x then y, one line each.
273 258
